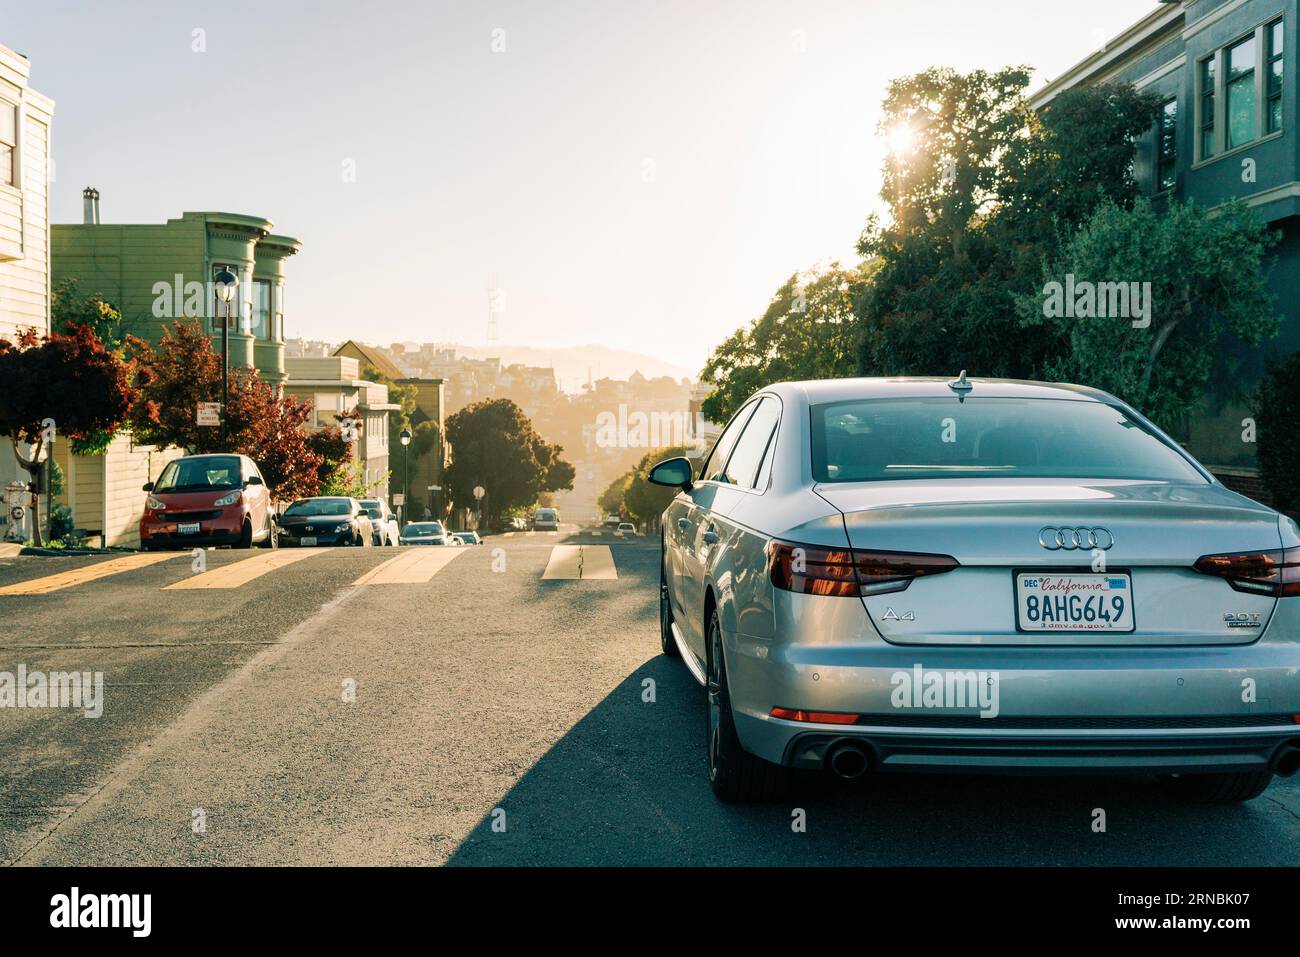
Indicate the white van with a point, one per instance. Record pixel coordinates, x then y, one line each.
546 520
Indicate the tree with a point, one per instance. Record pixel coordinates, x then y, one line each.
808 331
261 422
61 384
1276 410
610 501
982 191
69 308
495 445
1191 279
643 500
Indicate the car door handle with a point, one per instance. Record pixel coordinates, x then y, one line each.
710 537
683 524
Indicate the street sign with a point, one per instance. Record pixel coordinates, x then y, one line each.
479 491
398 499
435 488
209 413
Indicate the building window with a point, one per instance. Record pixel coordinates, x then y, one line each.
1207 107
261 324
1240 89
220 308
1167 147
278 311
1274 73
8 143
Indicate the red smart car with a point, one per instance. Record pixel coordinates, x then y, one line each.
208 500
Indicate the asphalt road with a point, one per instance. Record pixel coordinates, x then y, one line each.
498 717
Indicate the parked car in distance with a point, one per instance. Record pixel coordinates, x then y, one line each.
386 531
874 575
468 538
626 528
208 500
611 521
426 533
546 520
324 520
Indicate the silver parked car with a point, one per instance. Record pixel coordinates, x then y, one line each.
914 574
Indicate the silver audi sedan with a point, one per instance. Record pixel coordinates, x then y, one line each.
873 575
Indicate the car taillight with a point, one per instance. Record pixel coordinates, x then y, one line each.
1263 573
846 572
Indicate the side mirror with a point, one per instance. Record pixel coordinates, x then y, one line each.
254 480
674 473
147 487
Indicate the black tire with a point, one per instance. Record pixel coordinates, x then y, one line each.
246 536
666 641
734 774
1227 788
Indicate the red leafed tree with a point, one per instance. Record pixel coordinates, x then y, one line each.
65 385
269 427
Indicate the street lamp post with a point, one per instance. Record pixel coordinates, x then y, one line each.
226 283
405 436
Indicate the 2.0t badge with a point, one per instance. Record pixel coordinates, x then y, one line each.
1243 619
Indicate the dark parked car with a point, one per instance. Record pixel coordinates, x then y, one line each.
325 520
468 538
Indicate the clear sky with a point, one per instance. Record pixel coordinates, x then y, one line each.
637 174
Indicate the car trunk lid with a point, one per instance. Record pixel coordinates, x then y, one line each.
993 528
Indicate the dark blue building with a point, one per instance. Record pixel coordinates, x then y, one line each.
1226 71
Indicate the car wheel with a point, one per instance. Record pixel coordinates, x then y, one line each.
272 539
246 536
1228 788
734 774
666 641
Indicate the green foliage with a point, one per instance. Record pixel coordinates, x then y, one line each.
69 308
642 500
610 501
986 193
495 445
1277 412
807 332
1206 286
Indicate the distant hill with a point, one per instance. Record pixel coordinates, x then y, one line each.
573 364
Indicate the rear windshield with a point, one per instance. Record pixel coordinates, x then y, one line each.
200 475
320 506
423 528
873 440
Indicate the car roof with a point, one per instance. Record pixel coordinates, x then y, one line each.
817 391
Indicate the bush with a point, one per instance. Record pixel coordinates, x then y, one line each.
1277 420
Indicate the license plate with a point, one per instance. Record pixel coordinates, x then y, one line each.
1048 601
187 528
307 540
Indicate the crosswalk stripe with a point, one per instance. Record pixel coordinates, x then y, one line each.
598 562
510 535
530 534
565 562
416 567
87 573
570 562
242 572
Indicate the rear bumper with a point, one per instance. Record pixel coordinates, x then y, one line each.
225 529
1060 710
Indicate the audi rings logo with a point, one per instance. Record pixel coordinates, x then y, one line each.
1069 539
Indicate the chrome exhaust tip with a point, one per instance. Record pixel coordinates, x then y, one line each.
848 761
1286 761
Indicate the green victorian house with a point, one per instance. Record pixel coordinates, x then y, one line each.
158 273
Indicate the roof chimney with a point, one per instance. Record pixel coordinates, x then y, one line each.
90 206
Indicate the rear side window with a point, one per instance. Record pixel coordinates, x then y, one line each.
875 440
742 467
712 469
